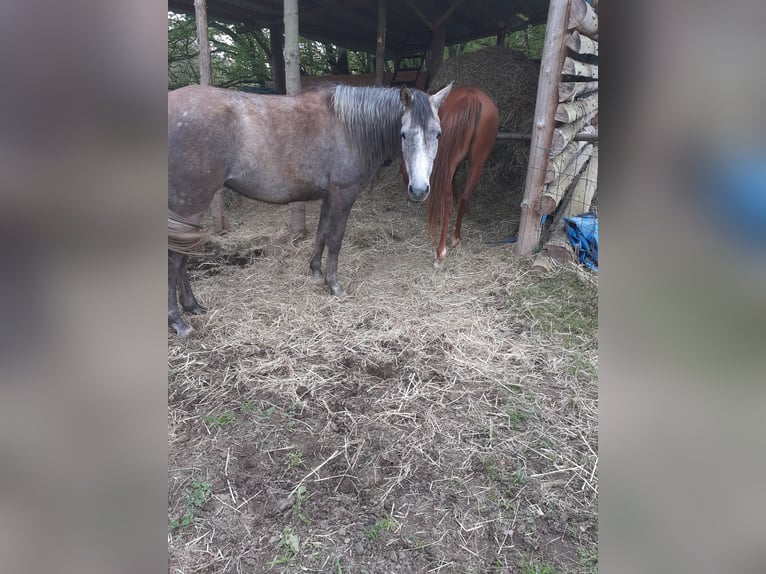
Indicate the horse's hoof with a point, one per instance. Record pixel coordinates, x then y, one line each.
438 264
455 242
337 290
196 309
315 272
182 330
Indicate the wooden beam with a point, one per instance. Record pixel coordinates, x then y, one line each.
559 186
419 14
558 164
380 51
583 18
564 134
574 68
545 109
570 90
581 44
436 56
519 137
584 188
569 112
205 67
206 79
293 87
447 13
486 13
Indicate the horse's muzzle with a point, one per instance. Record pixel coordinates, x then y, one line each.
418 193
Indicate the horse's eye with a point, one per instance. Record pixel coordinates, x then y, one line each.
403 136
438 135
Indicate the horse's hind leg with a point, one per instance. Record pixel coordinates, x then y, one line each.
441 249
474 173
315 264
189 302
175 321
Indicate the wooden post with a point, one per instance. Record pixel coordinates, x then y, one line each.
437 50
206 79
380 48
205 68
293 87
542 132
277 58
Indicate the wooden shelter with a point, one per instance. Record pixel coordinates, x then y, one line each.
398 28
353 24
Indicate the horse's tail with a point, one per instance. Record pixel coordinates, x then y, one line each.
185 236
455 141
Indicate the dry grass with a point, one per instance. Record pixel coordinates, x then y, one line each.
439 421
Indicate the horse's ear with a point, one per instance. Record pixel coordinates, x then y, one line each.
406 96
438 97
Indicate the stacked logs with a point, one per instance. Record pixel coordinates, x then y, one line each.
571 173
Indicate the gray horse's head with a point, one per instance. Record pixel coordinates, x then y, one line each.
420 134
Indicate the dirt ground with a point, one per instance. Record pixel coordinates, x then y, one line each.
431 421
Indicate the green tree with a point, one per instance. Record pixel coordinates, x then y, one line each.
241 55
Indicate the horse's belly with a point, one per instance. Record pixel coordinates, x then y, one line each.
277 192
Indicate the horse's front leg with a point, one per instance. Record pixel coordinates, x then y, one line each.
315 264
189 302
441 250
338 216
175 321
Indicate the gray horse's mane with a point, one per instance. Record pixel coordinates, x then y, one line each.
373 118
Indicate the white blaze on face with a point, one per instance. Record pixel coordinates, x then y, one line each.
419 147
420 162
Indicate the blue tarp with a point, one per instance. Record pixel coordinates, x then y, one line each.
734 194
583 235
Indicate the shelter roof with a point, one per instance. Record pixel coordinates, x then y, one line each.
352 24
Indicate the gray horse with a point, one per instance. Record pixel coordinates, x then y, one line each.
325 143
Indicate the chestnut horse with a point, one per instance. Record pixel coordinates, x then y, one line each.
325 143
469 121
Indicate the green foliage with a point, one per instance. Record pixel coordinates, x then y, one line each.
241 56
518 418
294 459
183 67
288 546
588 559
195 500
529 41
562 307
300 498
217 421
387 523
535 567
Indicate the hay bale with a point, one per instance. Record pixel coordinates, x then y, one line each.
505 74
510 78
